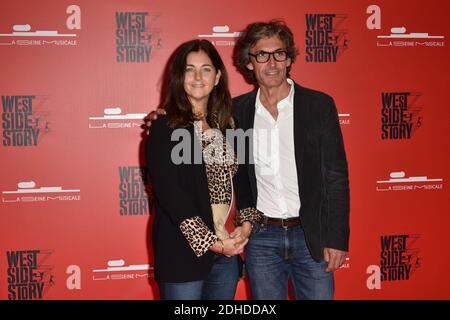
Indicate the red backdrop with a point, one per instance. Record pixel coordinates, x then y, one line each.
78 77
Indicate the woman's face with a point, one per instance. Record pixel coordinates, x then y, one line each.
200 78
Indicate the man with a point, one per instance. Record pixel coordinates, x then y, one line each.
298 179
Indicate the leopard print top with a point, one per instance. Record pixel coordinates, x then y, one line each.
221 165
198 235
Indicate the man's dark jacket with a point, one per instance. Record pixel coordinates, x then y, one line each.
321 163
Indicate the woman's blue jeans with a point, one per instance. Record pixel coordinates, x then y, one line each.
220 285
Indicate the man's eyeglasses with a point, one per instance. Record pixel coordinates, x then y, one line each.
264 56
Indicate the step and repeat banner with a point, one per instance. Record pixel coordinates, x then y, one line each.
79 77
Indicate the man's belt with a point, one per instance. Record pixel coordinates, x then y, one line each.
278 222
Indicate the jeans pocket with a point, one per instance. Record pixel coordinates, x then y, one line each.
256 229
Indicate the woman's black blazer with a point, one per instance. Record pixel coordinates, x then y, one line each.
180 191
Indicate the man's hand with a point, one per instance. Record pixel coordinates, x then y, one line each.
152 116
334 257
242 232
240 244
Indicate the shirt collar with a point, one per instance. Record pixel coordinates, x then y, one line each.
289 98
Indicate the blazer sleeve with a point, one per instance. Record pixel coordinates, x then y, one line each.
174 201
245 202
335 171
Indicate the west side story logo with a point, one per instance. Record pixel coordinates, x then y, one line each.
326 39
399 259
23 121
135 39
134 191
400 115
23 35
29 274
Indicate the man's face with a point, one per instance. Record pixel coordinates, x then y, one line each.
272 73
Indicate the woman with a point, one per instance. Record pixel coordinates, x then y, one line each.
195 257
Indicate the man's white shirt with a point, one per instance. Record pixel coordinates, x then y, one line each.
274 156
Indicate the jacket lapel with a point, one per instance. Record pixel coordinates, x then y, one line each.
249 111
249 123
200 178
300 129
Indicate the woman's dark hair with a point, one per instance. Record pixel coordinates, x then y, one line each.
177 104
257 31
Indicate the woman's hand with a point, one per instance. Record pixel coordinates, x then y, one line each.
230 247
